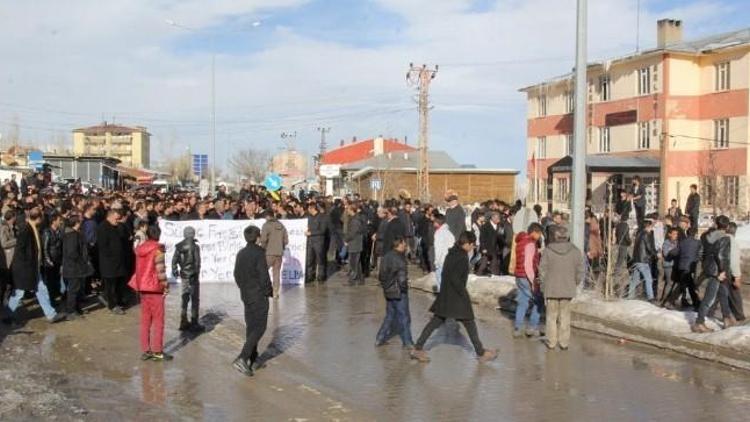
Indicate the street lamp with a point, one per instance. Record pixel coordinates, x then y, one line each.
171 22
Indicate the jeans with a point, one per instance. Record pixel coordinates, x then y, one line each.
42 296
396 310
713 289
641 269
438 276
525 298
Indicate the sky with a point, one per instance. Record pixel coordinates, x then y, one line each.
291 66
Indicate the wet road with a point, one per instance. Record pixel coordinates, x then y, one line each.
323 366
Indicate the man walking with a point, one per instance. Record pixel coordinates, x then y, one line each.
734 282
526 271
455 216
561 266
453 300
27 268
394 280
716 270
274 238
644 252
251 276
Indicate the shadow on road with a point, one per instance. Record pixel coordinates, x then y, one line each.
284 337
209 321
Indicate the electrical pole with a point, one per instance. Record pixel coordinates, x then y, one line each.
422 76
579 185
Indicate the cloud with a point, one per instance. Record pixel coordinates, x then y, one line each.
69 64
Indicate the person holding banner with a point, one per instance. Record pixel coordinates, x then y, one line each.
251 276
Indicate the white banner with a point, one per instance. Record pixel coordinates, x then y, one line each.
220 240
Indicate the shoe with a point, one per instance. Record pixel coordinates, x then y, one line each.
517 333
563 348
57 318
257 365
196 327
729 322
242 366
73 316
700 328
147 356
117 311
408 347
533 333
420 355
488 356
379 343
184 325
160 357
549 345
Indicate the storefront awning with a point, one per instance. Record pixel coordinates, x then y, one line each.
609 163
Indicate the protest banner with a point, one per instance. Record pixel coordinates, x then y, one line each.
220 240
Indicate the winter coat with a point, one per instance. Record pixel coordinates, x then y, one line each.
716 253
75 258
622 234
274 237
453 300
251 274
150 270
444 241
110 246
26 259
8 243
355 233
489 239
455 218
393 275
693 205
186 261
318 227
394 228
688 250
379 250
523 240
52 243
408 222
560 268
670 253
645 249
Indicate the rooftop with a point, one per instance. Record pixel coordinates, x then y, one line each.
404 160
110 128
699 46
361 150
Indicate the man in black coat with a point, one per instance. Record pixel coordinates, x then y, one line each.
354 238
693 206
27 268
716 247
251 276
393 229
453 300
639 201
317 254
491 244
112 260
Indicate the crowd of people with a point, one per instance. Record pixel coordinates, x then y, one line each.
69 249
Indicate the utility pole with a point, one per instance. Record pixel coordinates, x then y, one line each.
579 185
422 76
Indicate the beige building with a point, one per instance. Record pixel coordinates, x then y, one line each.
675 115
130 145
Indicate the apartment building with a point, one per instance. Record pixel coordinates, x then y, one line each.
675 115
130 145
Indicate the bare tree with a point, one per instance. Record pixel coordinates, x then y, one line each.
180 168
250 163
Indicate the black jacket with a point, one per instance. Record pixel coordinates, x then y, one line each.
645 248
693 205
251 275
623 209
455 218
393 229
318 227
490 240
52 242
26 259
186 261
453 300
393 275
689 250
622 234
75 258
716 246
112 254
355 233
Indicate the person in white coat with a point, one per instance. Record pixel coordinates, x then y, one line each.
444 240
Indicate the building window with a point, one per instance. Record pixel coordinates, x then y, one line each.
569 144
731 191
570 101
644 135
541 147
604 88
722 76
644 81
707 190
542 105
563 190
604 145
721 133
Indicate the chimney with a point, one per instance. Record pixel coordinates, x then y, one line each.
342 143
668 32
354 139
378 146
406 140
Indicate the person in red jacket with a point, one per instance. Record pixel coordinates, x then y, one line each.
526 271
150 281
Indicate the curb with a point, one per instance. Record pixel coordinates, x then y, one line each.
490 292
